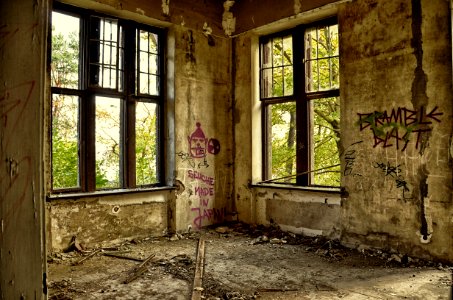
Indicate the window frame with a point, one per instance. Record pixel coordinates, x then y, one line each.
301 98
129 96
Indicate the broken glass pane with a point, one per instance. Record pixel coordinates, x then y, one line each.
65 51
108 142
146 143
65 141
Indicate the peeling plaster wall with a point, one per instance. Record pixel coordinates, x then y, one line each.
398 174
255 13
199 85
396 97
23 25
106 221
308 213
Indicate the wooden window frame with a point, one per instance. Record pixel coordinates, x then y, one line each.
128 96
302 100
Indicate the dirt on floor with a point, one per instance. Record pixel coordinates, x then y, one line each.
242 262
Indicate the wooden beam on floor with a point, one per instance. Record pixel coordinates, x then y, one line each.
199 269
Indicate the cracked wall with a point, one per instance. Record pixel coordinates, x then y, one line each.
397 119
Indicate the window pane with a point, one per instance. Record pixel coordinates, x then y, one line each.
288 81
65 141
326 139
282 137
65 51
148 67
277 67
321 58
146 143
324 74
105 65
277 86
277 53
108 149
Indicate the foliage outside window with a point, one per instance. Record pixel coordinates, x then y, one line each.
299 80
106 83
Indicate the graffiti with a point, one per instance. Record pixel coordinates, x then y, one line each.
186 157
388 169
199 176
199 146
395 173
398 128
204 213
6 35
350 157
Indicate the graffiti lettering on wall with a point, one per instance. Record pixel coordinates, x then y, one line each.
350 156
199 146
393 171
205 213
201 177
398 127
205 194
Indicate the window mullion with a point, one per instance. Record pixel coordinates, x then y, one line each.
130 36
302 117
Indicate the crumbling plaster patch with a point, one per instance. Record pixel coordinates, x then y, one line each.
228 20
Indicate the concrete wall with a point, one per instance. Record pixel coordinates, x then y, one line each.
106 220
396 98
198 106
399 176
203 110
23 26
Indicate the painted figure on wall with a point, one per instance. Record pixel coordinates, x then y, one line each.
197 143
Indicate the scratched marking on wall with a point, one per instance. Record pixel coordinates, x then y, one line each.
350 156
400 126
17 179
394 171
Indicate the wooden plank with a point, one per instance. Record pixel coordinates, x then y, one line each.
86 257
142 268
199 270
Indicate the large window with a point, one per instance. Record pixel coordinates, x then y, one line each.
107 102
299 86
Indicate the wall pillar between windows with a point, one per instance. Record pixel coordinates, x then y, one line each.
23 26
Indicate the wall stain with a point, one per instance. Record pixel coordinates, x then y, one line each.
423 194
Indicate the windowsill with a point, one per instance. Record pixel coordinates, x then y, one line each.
79 195
333 190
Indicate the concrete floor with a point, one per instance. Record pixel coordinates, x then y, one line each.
240 265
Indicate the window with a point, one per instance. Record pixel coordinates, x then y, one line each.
299 92
107 102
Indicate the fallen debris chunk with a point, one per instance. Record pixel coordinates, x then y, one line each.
222 229
86 257
74 245
138 271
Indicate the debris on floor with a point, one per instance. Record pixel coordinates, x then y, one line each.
242 262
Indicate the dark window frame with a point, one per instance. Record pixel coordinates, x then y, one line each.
302 100
129 96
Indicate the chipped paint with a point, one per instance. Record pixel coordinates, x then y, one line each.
166 7
140 11
228 20
297 7
206 29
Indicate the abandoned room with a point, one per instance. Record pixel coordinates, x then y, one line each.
212 149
